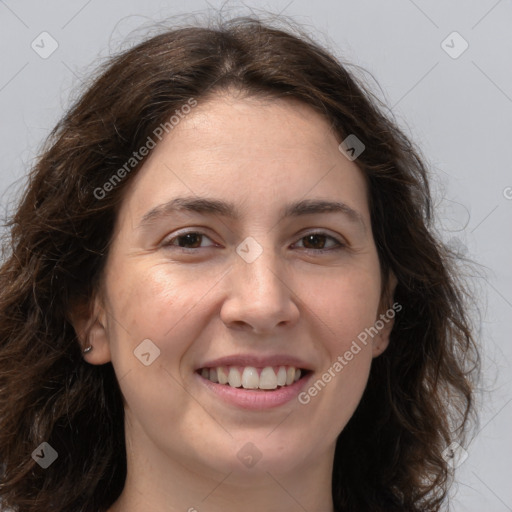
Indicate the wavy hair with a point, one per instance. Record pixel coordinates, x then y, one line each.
419 396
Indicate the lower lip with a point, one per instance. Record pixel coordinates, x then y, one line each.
255 400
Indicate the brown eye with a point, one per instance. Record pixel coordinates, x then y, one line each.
190 240
317 242
193 239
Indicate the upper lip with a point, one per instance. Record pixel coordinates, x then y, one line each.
257 361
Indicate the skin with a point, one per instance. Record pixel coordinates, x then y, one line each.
182 441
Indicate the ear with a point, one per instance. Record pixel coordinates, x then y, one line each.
386 318
90 323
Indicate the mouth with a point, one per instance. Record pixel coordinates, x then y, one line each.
253 381
266 379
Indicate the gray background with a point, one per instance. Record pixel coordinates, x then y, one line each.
458 110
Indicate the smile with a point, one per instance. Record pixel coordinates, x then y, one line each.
250 377
255 388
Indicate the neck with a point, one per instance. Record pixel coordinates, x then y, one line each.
156 482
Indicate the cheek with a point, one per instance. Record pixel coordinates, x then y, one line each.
348 307
150 329
151 301
348 304
158 303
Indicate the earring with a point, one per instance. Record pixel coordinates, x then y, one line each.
87 350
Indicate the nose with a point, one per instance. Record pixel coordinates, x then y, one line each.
260 296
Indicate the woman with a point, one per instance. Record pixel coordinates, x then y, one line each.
222 289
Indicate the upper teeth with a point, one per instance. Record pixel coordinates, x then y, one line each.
250 377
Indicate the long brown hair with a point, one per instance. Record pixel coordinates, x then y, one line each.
419 396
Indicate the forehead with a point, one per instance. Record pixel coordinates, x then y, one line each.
225 122
252 151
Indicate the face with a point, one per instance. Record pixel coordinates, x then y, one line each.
255 279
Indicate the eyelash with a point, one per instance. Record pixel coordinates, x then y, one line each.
168 244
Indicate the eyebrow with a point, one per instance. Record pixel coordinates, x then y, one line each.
227 209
